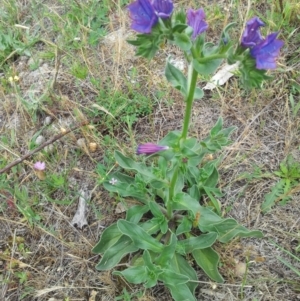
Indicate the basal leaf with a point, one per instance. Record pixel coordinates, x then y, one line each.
108 238
135 275
139 236
179 265
169 277
200 242
183 201
180 292
167 252
208 260
115 253
184 226
135 213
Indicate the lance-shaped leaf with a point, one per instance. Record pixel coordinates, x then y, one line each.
108 238
168 252
229 228
128 163
135 275
208 260
176 78
139 236
169 277
135 213
115 253
179 265
200 242
183 201
180 292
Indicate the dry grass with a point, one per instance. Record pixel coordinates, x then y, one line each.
56 256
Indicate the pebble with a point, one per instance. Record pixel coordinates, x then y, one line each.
39 140
47 120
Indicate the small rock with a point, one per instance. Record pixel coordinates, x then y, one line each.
81 143
47 120
39 140
49 149
93 146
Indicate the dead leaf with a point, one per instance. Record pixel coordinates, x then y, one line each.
79 218
124 206
222 76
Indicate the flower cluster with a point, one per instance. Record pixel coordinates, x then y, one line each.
265 51
145 13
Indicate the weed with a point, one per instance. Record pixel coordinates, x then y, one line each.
281 192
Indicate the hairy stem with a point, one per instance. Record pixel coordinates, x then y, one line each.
192 80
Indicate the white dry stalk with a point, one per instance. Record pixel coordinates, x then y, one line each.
79 218
222 76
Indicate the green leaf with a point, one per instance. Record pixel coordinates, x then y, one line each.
171 139
217 127
208 67
135 275
168 252
183 41
169 277
198 93
213 200
208 260
108 238
228 229
176 78
135 213
115 253
183 201
181 292
153 271
279 192
200 242
139 236
179 265
184 226
128 163
213 178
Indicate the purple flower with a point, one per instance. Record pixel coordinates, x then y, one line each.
39 165
163 8
266 52
251 35
196 19
142 15
150 148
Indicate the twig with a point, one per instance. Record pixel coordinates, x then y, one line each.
50 141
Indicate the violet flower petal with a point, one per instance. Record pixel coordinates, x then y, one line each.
142 15
196 19
266 52
251 35
39 165
150 148
163 8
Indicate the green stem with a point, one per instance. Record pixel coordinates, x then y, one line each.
192 80
171 192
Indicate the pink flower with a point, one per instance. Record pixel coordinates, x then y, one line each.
150 148
39 165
